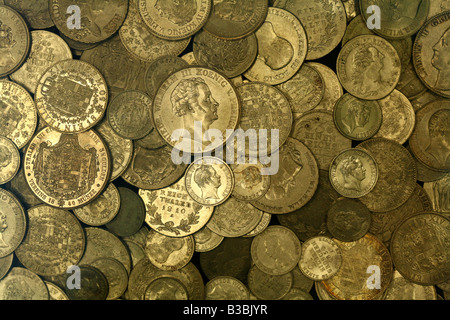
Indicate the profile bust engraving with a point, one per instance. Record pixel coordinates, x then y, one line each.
357 116
353 172
439 136
366 69
275 51
6 44
207 179
441 61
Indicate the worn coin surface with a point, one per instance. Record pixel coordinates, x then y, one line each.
231 57
249 183
348 219
206 240
9 160
166 288
409 83
398 19
18 112
5 264
93 285
396 173
333 88
295 182
351 281
209 181
99 19
420 248
47 48
438 192
429 140
151 141
13 223
102 209
52 157
116 275
261 226
276 250
316 129
267 286
236 19
42 249
403 289
15 44
354 173
23 284
226 288
175 20
324 22
71 96
368 67
192 101
172 212
321 258
36 13
20 188
55 292
282 48
357 119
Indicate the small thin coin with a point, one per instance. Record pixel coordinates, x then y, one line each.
12 223
269 287
353 173
23 284
348 219
321 258
169 253
209 181
9 160
226 288
206 240
116 275
276 250
166 288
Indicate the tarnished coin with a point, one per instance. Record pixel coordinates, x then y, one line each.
439 192
129 114
67 170
99 19
437 7
12 223
398 118
321 258
396 173
236 19
71 96
209 181
93 285
116 275
409 83
398 19
426 174
348 219
55 292
140 42
23 284
322 293
301 281
305 90
206 240
297 294
249 183
101 243
429 140
354 173
261 226
260 98
351 281
403 289
282 48
295 182
175 20
172 212
226 288
192 101
420 247
166 288
47 226
131 215
357 119
159 70
234 218
137 251
5 264
423 99
18 111
311 219
276 250
47 48
317 131
15 40
351 8
19 186
151 141
36 13
368 67
169 253
269 287
333 88
9 160
324 22
231 57
153 169
120 149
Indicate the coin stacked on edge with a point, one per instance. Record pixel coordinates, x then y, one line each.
224 150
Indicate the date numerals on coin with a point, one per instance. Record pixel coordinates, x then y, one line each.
74 20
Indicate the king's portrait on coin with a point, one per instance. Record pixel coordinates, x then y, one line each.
3 227
400 12
208 181
366 70
271 45
5 157
441 61
439 134
357 116
353 172
179 12
6 43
